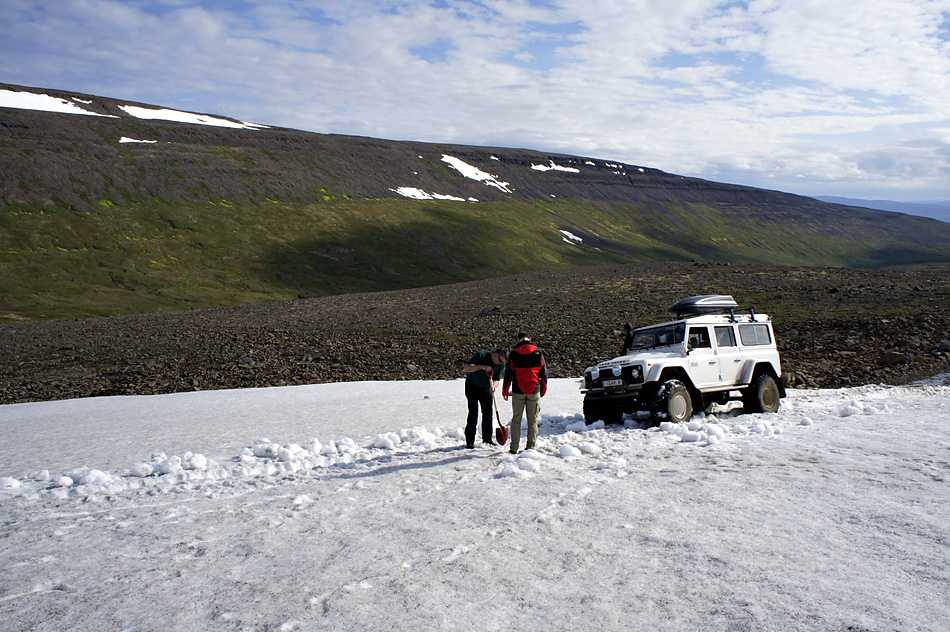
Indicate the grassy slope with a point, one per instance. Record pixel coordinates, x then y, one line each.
159 256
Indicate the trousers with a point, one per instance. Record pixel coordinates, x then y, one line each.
530 407
478 398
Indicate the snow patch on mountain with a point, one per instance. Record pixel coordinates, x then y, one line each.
554 167
475 173
178 116
571 238
419 194
43 103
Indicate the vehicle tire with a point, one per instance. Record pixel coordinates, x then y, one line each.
673 402
762 396
595 410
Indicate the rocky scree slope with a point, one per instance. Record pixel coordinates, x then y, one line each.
834 326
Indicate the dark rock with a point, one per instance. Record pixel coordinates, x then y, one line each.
891 358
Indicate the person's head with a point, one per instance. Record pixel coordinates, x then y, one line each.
501 356
523 336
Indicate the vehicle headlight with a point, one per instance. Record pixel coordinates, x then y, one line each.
594 373
615 369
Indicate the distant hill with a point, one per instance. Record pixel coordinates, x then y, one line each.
933 210
109 207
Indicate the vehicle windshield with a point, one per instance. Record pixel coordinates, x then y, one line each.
661 336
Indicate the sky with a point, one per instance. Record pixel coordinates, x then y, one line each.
816 97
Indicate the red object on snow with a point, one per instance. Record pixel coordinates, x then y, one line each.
501 435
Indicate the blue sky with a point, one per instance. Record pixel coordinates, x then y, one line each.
817 97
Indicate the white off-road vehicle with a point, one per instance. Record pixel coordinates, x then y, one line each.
708 355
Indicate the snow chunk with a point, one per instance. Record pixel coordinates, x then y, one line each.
570 451
848 411
96 477
588 448
613 463
528 465
264 448
509 470
196 462
141 470
690 436
579 426
8 482
387 441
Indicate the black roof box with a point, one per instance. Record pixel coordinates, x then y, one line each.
706 304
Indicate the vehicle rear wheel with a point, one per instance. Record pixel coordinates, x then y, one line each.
674 402
762 395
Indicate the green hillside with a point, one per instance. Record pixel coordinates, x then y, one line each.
204 216
59 263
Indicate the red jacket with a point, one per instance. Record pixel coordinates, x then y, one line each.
525 370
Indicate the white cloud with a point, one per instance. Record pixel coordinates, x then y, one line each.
765 92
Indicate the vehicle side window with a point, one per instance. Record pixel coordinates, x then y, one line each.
725 337
752 335
699 338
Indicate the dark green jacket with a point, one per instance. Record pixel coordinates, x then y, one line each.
479 378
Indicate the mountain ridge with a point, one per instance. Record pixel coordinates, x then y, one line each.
116 213
939 210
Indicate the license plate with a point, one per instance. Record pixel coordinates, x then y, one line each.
613 382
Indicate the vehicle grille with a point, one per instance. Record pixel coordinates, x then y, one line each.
629 374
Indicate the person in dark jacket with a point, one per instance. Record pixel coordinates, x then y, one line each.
483 372
526 380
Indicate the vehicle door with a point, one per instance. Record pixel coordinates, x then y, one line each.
730 354
702 358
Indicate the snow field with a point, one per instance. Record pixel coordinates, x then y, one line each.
565 436
838 523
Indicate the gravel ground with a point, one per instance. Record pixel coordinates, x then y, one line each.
835 327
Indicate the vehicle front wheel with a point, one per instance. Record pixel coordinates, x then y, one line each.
674 402
762 395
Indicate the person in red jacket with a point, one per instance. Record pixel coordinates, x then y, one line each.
526 380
